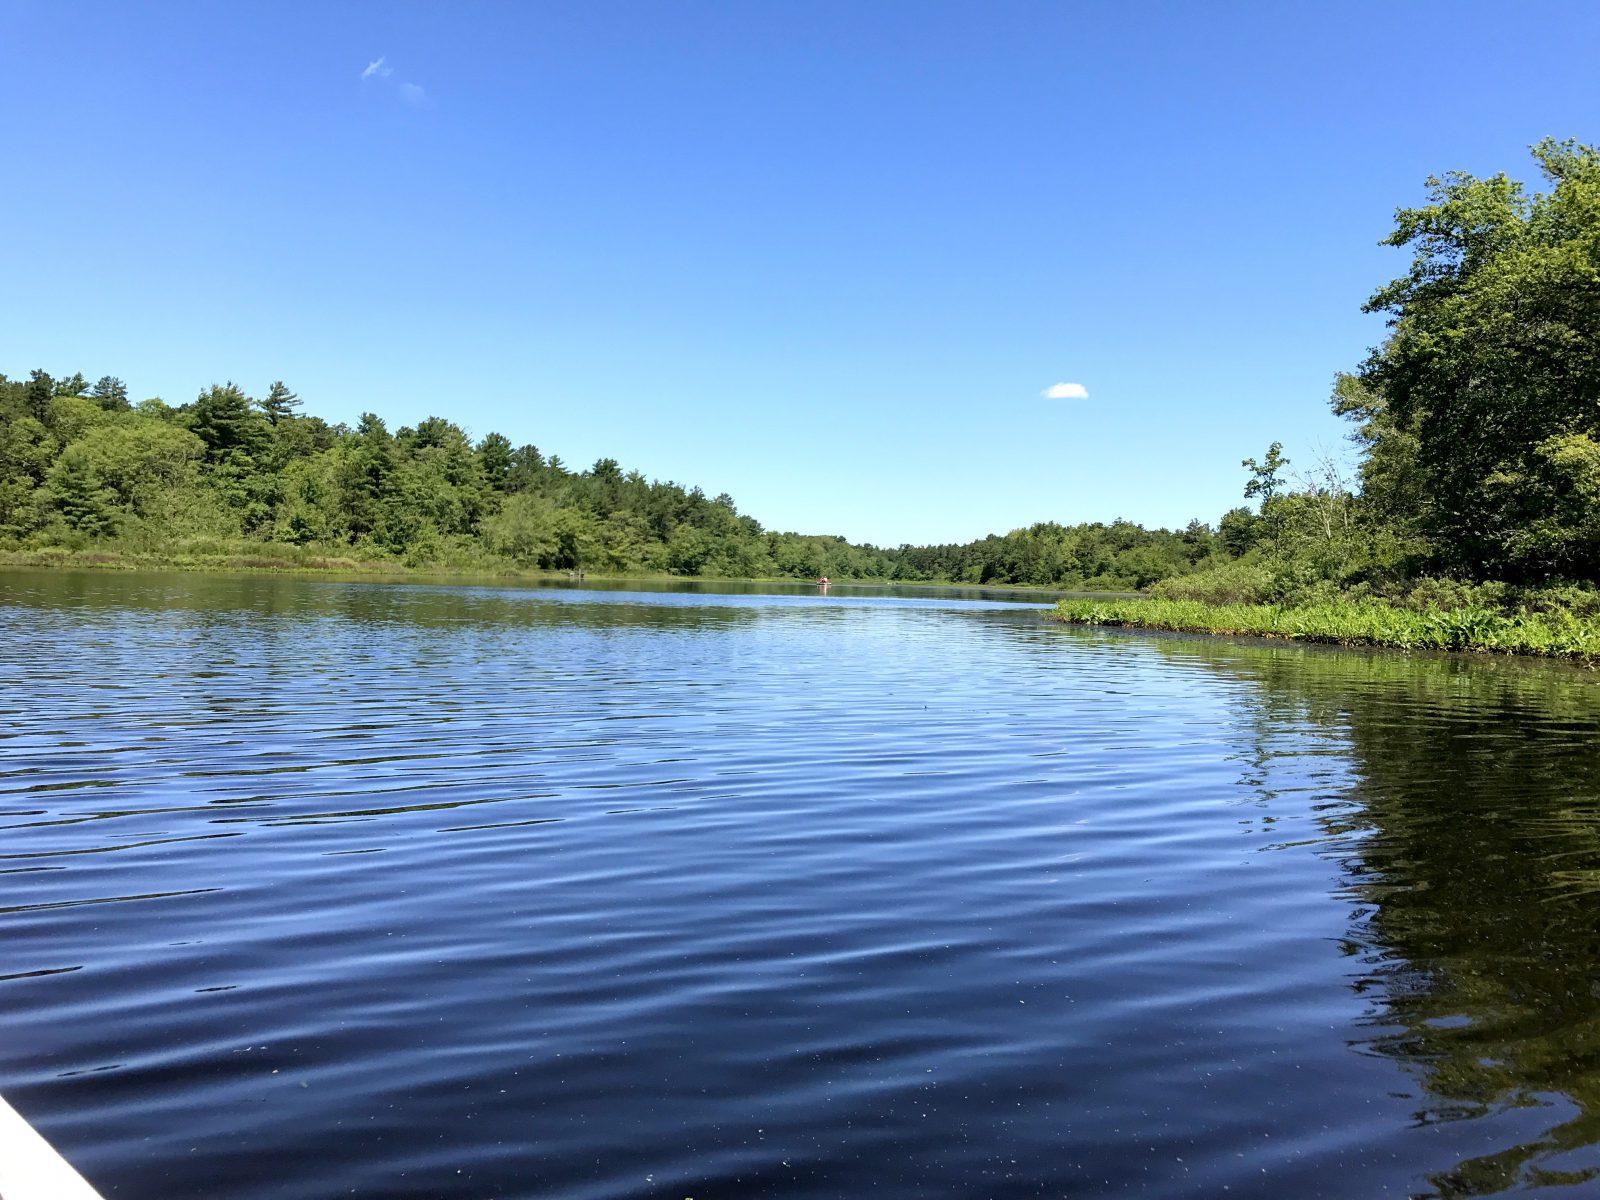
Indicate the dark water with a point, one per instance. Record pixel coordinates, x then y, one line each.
314 889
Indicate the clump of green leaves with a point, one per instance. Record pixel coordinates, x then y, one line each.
1561 634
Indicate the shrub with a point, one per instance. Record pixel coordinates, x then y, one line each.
1443 593
1232 583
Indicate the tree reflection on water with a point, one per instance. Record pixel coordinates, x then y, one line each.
1469 843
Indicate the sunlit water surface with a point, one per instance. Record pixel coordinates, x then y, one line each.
314 889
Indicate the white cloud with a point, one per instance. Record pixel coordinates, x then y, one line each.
413 94
1066 391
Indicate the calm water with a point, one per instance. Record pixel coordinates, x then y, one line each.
314 889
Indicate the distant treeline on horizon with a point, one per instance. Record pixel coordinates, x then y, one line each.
83 468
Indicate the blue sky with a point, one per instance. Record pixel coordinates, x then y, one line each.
825 257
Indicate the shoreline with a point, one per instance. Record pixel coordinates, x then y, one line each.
379 570
1351 623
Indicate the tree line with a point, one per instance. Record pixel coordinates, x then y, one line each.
82 468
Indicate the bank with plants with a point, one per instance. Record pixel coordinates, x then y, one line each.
1558 633
1470 518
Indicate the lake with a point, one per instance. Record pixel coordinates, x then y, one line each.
313 888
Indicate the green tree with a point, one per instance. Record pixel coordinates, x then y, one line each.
74 489
1493 366
137 460
577 541
526 471
310 508
495 457
70 417
1393 488
1198 541
37 393
688 550
297 438
1266 478
27 450
112 393
366 462
523 530
280 403
1237 531
224 419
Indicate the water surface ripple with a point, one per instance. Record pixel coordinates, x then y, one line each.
312 889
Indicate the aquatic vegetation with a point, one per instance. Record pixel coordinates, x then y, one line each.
1559 634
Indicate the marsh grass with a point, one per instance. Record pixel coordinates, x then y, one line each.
1560 634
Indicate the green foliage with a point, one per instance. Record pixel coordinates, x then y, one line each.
1561 634
70 417
310 508
279 404
688 550
523 531
73 490
36 394
1120 556
26 449
1227 583
494 457
225 420
73 385
1266 475
111 394
139 459
1480 410
1238 531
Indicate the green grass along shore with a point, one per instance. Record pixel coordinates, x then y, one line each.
1356 623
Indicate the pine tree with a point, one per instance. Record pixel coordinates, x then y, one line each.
76 492
37 393
224 421
111 393
280 402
